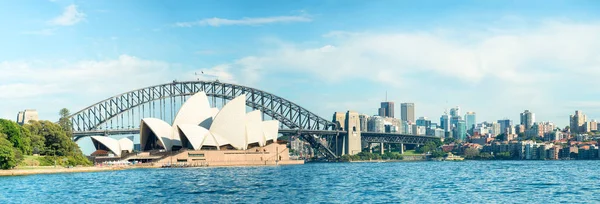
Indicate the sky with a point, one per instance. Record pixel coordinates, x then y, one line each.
496 58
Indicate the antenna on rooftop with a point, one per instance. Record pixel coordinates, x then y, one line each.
386 96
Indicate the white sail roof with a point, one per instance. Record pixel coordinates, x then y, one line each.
161 129
254 128
230 123
194 134
205 126
126 144
110 143
271 129
193 112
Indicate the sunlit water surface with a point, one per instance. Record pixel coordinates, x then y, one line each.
403 182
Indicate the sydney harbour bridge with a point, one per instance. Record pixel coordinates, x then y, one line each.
121 114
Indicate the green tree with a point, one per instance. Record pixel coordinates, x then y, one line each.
34 129
429 146
485 156
503 156
438 154
8 158
471 153
501 137
16 135
64 121
449 140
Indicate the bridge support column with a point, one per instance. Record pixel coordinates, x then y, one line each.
371 147
401 148
381 149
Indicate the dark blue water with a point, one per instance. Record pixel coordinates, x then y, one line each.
406 182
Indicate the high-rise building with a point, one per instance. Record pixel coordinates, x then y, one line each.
577 122
387 109
455 111
460 131
423 121
454 121
495 129
445 122
471 121
407 112
28 115
505 124
527 119
376 124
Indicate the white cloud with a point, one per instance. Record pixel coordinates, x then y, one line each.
51 85
215 22
501 64
70 16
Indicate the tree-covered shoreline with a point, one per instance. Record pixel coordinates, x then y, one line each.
44 138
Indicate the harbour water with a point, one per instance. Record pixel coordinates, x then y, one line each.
400 182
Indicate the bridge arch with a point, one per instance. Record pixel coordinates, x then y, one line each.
286 112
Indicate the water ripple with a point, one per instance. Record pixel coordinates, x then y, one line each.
405 182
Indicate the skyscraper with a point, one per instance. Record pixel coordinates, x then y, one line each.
470 121
423 121
407 112
527 119
504 125
445 122
577 122
387 109
455 111
460 132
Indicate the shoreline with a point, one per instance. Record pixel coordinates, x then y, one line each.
58 170
27 170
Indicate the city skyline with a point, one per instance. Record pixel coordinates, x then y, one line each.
70 55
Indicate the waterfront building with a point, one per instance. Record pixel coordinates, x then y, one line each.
407 112
587 152
554 153
527 119
24 117
200 134
387 109
470 121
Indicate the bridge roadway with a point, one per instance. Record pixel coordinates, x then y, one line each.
370 137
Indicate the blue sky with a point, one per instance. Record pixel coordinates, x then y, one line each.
496 58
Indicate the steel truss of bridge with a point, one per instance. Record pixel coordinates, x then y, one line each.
125 109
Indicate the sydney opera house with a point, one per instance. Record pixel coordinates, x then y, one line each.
201 135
